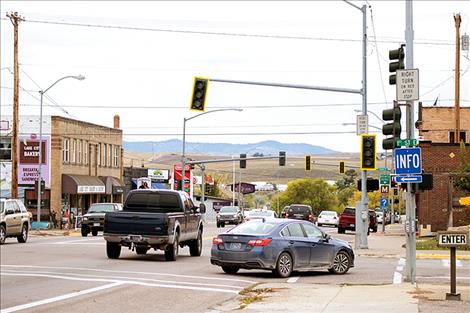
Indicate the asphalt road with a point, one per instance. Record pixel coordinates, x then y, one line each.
64 274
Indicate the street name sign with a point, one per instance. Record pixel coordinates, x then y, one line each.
409 179
362 124
453 239
407 85
407 142
407 161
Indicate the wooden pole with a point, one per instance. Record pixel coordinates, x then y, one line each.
457 20
15 20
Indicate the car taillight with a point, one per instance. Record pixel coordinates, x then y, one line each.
310 217
287 215
217 241
259 242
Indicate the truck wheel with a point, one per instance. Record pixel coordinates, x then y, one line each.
374 230
230 269
113 250
84 232
141 250
222 224
24 234
218 224
94 232
171 253
195 247
3 234
341 230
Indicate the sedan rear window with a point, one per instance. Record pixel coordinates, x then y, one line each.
253 228
299 209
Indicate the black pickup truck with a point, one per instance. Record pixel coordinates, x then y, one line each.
155 218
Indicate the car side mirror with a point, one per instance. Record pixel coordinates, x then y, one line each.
202 208
9 211
326 237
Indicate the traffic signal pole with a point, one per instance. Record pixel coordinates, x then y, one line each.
410 196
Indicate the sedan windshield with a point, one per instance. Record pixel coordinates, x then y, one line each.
101 208
253 228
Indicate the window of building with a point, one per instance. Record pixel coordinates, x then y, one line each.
79 154
73 150
5 148
65 150
108 160
105 155
463 136
85 152
98 153
116 156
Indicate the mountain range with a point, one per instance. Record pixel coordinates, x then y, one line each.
270 147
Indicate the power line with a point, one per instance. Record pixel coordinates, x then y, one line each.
167 30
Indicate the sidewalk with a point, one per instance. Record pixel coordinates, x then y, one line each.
54 232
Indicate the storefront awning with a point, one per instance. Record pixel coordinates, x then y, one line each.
113 185
82 184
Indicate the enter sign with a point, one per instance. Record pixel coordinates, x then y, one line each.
453 239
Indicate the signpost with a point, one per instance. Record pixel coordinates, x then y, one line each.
407 161
362 124
384 179
407 85
407 142
409 179
384 189
384 204
452 240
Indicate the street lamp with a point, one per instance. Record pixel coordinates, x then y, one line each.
42 92
183 157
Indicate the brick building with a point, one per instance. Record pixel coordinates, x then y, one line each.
442 155
81 164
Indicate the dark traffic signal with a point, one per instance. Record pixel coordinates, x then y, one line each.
243 160
341 167
198 101
398 56
308 163
282 158
393 128
368 152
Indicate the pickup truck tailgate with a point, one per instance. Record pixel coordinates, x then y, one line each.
136 223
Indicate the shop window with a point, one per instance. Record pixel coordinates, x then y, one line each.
65 150
85 152
116 156
5 148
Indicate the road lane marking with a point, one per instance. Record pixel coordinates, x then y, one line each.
121 277
128 272
293 279
122 282
446 263
443 277
59 298
89 240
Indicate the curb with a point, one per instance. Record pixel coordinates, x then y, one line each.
440 256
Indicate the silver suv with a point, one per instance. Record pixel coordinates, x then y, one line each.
14 220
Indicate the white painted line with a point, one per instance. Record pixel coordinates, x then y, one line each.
127 272
59 298
397 278
293 279
120 278
446 263
89 240
123 282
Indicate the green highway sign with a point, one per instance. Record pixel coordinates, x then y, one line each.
384 179
407 142
383 169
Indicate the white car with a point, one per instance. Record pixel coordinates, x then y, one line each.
260 214
328 218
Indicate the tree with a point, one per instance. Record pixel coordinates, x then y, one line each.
347 180
463 183
314 192
374 199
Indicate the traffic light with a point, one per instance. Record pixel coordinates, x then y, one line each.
393 128
243 161
398 56
395 192
371 184
368 152
198 101
341 167
282 158
308 163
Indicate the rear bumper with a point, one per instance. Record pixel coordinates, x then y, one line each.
129 239
248 264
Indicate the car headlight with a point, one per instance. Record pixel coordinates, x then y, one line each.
85 218
235 215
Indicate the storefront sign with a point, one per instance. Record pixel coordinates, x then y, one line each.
158 174
28 161
118 189
90 189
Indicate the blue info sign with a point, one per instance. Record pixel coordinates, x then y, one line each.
384 203
407 161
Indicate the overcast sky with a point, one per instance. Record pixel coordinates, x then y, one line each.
144 69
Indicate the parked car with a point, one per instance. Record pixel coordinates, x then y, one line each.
300 212
260 214
229 215
347 221
380 217
280 245
93 220
328 218
14 220
155 218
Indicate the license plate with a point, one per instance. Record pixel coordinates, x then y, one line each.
135 237
235 246
96 224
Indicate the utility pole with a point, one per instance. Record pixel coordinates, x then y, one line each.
410 196
457 20
15 20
